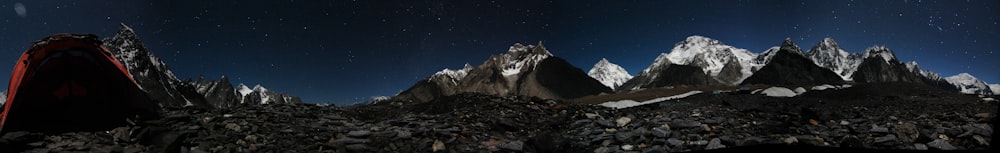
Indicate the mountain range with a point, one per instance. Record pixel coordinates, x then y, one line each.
695 61
156 79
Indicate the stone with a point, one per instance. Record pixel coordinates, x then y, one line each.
357 147
623 121
403 134
359 133
661 132
982 115
351 141
715 143
515 146
907 132
624 135
889 139
679 123
592 115
675 142
437 146
606 123
878 129
699 143
981 140
919 146
983 129
655 149
941 144
844 122
810 140
790 140
604 150
234 127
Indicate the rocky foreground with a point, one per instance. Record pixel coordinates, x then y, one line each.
911 120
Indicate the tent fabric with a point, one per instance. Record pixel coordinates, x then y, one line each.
71 82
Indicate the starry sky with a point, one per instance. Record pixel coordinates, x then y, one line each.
347 51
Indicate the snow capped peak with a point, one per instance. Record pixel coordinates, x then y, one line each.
125 27
828 54
790 46
696 39
880 51
603 61
460 73
519 57
709 54
467 66
912 66
684 52
828 47
243 90
915 68
964 76
609 74
259 88
517 47
969 84
453 76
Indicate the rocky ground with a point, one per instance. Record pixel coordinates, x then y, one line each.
909 120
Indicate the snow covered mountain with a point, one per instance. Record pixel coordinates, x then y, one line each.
712 56
969 84
664 73
828 54
452 76
157 80
218 94
880 65
152 75
441 83
609 74
930 78
789 66
522 70
260 95
914 67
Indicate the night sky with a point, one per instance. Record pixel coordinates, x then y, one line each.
348 51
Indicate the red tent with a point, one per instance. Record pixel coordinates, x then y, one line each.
71 82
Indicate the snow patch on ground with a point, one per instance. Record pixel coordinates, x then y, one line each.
632 103
823 87
800 90
778 92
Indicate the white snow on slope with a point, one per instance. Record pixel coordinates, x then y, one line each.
994 87
264 98
710 54
520 56
823 87
452 76
778 92
969 84
243 90
609 74
632 103
881 51
828 54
